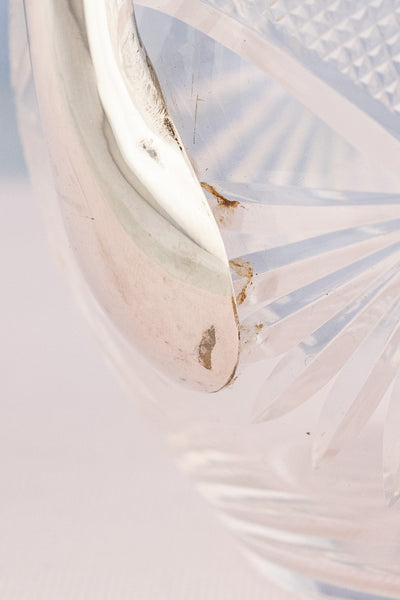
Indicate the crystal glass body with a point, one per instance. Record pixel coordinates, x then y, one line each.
294 144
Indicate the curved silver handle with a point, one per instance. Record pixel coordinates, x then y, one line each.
134 209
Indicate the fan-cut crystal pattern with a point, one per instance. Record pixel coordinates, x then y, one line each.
239 166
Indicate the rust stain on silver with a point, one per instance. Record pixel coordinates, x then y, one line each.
222 201
206 347
244 269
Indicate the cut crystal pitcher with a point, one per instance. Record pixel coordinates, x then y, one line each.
221 179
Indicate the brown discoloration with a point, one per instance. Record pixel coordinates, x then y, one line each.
232 381
222 201
244 269
235 312
242 295
206 347
259 326
169 126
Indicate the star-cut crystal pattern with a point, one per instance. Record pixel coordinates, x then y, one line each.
360 39
314 251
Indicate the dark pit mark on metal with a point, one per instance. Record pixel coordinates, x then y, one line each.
206 347
147 147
